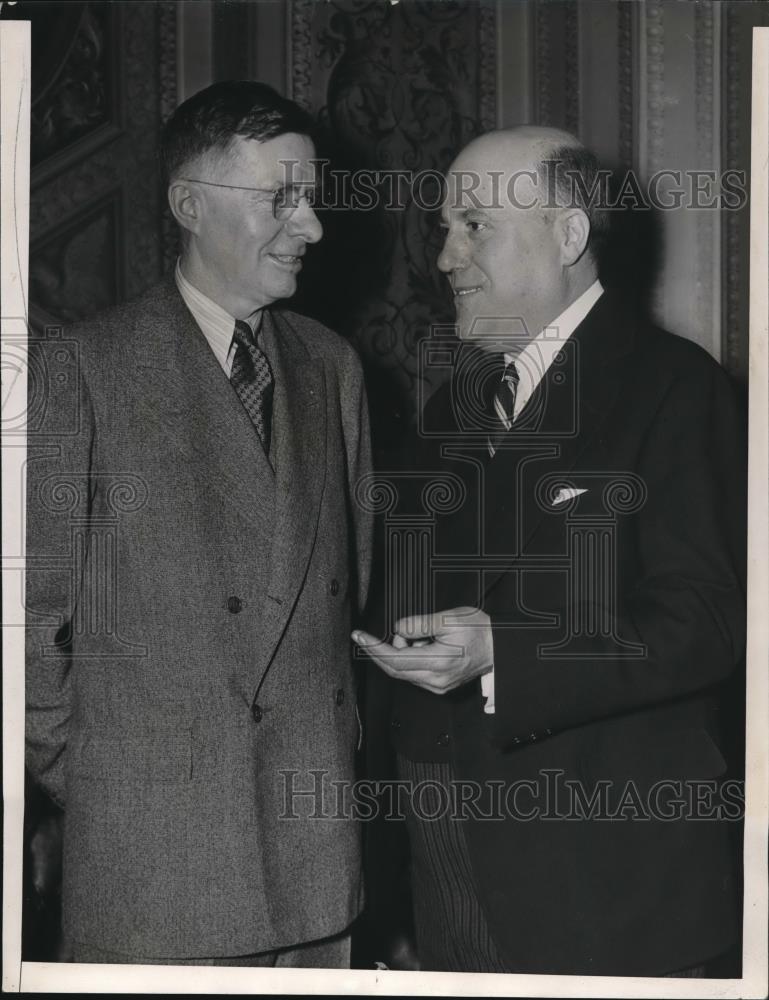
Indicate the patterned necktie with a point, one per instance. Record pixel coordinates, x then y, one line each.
252 379
503 407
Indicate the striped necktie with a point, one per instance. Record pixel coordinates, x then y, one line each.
252 379
503 407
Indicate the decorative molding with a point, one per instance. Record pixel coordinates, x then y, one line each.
571 68
300 61
733 334
487 69
707 304
167 28
542 64
167 42
625 49
655 85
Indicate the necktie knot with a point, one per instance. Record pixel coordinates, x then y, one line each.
503 406
243 334
510 374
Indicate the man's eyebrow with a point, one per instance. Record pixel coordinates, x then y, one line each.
465 213
462 213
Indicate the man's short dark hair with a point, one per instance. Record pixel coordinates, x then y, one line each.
573 175
212 118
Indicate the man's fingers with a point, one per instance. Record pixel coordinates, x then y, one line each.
422 660
370 643
419 626
427 626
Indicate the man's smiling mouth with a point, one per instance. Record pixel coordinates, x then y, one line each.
286 258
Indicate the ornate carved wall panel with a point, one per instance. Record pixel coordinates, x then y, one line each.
557 67
396 87
104 76
76 82
76 270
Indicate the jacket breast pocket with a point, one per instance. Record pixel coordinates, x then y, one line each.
144 758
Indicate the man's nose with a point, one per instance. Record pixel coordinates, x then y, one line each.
305 223
452 257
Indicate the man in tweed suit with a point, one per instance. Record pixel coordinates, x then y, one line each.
195 557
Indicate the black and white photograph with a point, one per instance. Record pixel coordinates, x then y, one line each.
385 457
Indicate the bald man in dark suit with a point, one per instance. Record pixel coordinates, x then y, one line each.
558 683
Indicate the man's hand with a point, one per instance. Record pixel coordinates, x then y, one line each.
436 652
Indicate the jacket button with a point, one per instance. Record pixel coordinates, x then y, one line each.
532 738
256 711
234 604
396 723
443 740
334 588
339 698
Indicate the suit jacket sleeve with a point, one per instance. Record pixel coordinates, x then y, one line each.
58 489
686 606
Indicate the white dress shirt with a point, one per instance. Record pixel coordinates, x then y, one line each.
215 323
532 364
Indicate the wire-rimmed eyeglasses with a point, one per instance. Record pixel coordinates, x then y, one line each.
285 200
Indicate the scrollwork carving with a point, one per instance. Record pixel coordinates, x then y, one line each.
396 87
73 81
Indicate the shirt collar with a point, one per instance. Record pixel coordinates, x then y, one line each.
534 360
216 324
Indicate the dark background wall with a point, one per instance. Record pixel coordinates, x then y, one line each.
394 86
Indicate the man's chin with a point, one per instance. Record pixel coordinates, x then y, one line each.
282 290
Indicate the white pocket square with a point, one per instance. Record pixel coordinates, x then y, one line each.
566 493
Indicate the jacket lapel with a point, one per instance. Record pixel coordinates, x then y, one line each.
299 456
558 423
183 389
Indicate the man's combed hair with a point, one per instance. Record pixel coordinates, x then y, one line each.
212 118
571 175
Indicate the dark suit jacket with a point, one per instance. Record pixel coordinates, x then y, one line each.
188 654
615 615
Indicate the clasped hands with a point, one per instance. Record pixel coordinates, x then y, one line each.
437 652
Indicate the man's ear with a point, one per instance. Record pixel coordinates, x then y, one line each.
573 232
186 206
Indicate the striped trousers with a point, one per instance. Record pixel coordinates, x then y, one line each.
451 929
